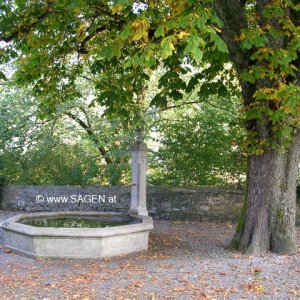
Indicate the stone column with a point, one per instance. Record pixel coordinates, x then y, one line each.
139 153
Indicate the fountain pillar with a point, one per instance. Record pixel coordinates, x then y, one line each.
139 153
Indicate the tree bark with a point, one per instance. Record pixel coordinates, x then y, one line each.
269 222
283 208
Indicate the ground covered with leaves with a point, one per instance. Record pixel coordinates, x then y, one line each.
186 260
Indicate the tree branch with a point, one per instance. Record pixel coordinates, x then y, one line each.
81 46
182 104
27 28
231 12
109 26
88 78
91 134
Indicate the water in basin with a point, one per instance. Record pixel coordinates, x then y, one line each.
76 222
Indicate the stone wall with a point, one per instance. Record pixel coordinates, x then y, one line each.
205 203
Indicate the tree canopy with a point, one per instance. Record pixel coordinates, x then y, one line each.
120 41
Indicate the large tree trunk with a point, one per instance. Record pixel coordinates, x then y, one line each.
268 221
268 215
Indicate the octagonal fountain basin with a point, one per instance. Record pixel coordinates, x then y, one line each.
76 234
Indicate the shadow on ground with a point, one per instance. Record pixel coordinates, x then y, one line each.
186 260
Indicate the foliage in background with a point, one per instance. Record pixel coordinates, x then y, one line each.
57 150
193 141
197 147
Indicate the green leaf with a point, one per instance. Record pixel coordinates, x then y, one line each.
159 101
246 44
176 95
272 11
194 51
222 47
278 115
193 82
2 76
246 76
259 41
215 19
126 33
193 44
159 32
167 47
219 43
297 7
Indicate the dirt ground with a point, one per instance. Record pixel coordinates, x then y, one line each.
186 260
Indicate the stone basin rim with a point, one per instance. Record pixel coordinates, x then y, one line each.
12 224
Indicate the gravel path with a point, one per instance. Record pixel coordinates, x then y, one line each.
185 261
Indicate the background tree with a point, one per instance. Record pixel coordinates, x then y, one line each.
30 145
197 144
64 151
